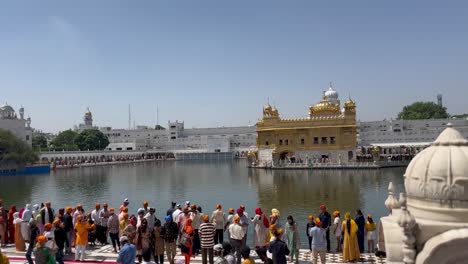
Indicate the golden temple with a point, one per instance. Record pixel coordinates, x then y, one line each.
328 133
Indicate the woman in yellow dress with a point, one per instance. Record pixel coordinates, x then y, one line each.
123 224
350 242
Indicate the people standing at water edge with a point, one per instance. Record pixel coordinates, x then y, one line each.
171 209
146 208
337 230
244 222
186 240
130 230
350 242
370 230
47 213
261 225
113 228
79 211
81 229
319 242
360 222
182 219
123 224
104 218
60 237
158 243
27 215
196 222
68 228
278 248
34 233
170 232
291 234
176 213
142 238
236 232
325 219
274 217
125 204
19 240
97 221
218 217
10 225
309 226
128 253
229 221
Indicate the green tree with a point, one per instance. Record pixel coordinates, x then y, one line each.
14 151
423 110
39 141
65 140
91 139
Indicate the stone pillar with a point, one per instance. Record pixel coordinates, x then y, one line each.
407 222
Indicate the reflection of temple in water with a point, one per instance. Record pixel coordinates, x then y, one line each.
303 191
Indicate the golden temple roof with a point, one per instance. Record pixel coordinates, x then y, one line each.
324 107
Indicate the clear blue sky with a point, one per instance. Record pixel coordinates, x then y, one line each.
213 63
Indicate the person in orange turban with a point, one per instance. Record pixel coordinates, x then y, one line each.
81 229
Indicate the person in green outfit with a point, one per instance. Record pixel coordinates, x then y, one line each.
291 236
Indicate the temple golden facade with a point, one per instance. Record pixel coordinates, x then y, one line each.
327 134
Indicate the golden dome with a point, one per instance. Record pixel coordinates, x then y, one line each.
349 103
324 107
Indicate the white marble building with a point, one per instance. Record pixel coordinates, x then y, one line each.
176 138
429 222
388 133
19 126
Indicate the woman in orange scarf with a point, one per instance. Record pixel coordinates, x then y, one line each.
187 240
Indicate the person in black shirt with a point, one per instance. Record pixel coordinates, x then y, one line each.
68 227
360 222
325 219
171 210
32 238
170 232
309 226
60 237
278 248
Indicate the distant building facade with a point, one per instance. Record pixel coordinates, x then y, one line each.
19 126
406 132
238 140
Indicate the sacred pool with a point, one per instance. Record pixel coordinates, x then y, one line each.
293 192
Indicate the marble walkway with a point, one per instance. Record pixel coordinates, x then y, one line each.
105 255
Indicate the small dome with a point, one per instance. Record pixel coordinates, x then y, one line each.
6 108
436 180
330 93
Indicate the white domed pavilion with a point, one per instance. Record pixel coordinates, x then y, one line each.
432 224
